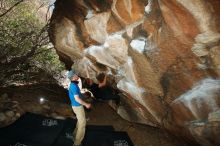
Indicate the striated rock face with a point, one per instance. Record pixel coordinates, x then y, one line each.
164 57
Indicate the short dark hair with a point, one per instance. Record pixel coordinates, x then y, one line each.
100 77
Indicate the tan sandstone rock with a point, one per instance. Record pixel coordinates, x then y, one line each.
163 56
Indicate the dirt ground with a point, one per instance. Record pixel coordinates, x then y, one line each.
141 135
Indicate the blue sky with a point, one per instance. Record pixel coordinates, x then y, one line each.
51 2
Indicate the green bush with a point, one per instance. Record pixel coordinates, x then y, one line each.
26 54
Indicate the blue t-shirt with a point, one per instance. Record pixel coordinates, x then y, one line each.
74 90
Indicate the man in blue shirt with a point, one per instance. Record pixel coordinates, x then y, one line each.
77 105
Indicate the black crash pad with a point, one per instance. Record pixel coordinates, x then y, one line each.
32 128
36 130
100 138
66 138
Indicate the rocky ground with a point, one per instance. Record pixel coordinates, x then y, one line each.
141 135
16 101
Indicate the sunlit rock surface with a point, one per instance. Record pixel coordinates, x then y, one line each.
163 55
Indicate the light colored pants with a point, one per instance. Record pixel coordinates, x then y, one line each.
79 131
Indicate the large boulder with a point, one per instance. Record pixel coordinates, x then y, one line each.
162 55
10 110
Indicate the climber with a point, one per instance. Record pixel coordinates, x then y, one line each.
106 91
94 88
77 105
